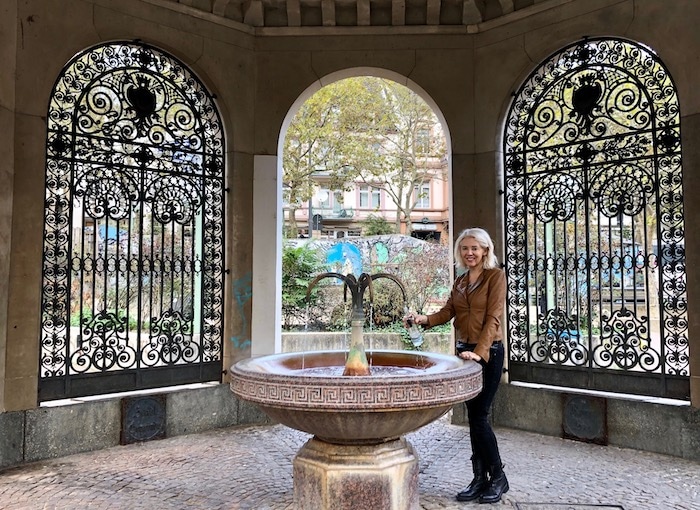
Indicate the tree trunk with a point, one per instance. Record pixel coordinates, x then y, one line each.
292 222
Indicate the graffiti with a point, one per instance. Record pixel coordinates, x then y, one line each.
381 252
344 258
356 255
242 292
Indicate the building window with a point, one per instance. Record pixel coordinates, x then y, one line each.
337 201
370 197
423 141
421 196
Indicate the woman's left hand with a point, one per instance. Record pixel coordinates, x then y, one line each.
469 355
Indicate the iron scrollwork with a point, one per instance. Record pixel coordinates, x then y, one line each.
594 213
134 217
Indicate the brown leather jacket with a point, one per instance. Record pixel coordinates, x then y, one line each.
477 313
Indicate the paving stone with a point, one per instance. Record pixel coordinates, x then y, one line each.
250 468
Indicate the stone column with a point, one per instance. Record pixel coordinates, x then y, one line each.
266 327
25 187
8 52
690 133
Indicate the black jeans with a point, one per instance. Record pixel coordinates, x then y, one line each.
484 444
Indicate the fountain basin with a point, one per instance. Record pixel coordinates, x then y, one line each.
357 410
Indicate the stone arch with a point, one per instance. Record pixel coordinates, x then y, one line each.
268 169
377 72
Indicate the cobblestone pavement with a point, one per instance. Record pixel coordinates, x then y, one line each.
251 468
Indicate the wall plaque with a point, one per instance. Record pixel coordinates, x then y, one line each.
143 418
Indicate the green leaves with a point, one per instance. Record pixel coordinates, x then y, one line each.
299 266
363 130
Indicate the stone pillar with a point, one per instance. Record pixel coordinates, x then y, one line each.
23 149
8 52
349 477
690 132
266 322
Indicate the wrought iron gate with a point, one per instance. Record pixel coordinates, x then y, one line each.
133 261
594 224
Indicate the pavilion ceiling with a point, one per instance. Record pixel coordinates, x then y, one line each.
361 13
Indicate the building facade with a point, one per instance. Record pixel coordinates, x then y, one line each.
339 213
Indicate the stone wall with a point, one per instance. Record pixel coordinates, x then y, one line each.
654 425
88 424
325 341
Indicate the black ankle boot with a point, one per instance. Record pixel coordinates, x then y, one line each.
478 485
498 485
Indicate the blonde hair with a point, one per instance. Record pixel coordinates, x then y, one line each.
484 239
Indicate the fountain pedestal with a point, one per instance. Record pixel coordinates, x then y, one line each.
358 458
364 476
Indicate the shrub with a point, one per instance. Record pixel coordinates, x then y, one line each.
376 225
300 265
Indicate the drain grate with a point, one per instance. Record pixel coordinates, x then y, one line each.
565 506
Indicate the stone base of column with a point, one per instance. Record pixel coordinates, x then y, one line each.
356 477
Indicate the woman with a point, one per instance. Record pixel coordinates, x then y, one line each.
476 305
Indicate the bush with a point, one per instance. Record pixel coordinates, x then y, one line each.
376 225
387 306
423 268
87 317
300 265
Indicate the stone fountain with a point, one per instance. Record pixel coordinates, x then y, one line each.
358 405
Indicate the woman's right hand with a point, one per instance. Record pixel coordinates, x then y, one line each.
469 355
414 318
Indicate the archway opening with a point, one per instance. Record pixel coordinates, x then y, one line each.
338 206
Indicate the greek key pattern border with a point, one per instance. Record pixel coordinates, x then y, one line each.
421 392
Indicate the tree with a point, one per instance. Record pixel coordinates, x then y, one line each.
376 225
425 274
300 265
408 151
367 130
325 137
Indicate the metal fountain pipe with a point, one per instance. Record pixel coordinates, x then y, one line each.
357 363
357 287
